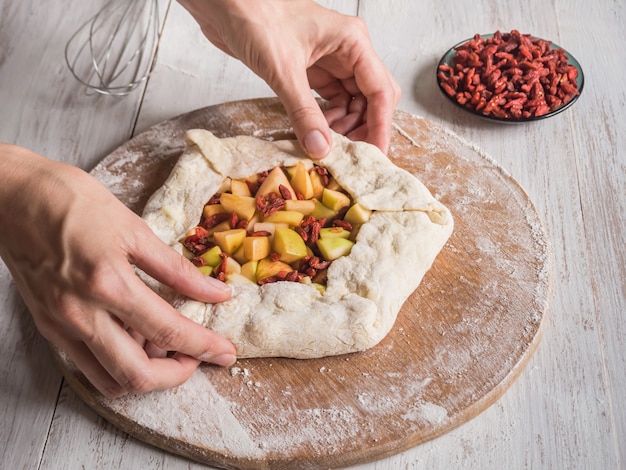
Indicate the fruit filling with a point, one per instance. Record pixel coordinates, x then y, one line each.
287 224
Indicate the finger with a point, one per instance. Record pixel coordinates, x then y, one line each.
164 264
157 321
305 115
129 365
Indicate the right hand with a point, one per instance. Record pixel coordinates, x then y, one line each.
71 246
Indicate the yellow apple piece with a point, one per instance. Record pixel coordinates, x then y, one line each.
212 209
357 214
230 240
274 180
248 270
317 184
224 186
231 266
292 218
221 227
256 248
206 270
305 207
289 245
243 206
301 181
212 256
240 255
335 200
334 232
321 211
240 188
268 268
332 248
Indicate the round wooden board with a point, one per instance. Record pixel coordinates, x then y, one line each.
459 342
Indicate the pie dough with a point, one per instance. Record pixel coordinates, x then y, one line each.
365 289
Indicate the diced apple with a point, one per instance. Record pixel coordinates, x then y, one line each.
301 181
357 214
243 206
256 248
212 209
305 207
274 180
232 266
212 256
289 245
240 188
335 200
224 186
334 232
268 268
230 240
206 270
317 184
248 270
332 184
240 255
221 227
269 227
292 218
334 247
238 278
321 211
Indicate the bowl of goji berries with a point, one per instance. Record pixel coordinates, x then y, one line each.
510 77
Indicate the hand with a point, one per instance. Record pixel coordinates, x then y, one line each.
71 246
298 45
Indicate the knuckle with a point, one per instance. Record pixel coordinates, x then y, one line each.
170 337
137 383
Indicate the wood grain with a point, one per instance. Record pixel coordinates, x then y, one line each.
460 340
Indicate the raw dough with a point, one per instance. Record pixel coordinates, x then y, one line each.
365 289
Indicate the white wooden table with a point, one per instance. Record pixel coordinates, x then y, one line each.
565 411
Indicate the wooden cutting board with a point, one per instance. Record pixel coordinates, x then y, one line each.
459 342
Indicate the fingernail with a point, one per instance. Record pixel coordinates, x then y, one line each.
315 144
223 360
218 284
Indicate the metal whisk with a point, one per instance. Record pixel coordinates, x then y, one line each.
113 51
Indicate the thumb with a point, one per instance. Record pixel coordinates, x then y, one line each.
306 117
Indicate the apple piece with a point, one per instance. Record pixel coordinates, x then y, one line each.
230 240
333 184
206 270
220 227
289 245
357 214
317 184
321 211
274 180
240 188
224 186
301 181
292 218
243 206
305 207
335 200
238 278
240 255
334 247
268 268
248 270
320 288
269 227
212 256
212 209
334 232
256 248
231 266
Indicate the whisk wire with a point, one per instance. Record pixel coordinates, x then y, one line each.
115 48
